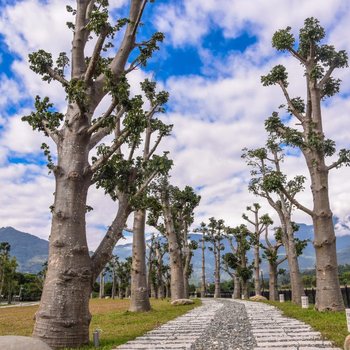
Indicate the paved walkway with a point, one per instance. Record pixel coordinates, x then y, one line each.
274 331
263 325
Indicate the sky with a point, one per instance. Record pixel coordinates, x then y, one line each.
211 61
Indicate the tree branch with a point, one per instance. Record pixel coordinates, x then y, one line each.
104 158
326 77
52 133
101 120
99 135
335 164
146 183
95 56
289 102
54 75
150 153
79 40
297 56
296 203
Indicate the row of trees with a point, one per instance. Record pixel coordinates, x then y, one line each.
319 61
131 173
128 169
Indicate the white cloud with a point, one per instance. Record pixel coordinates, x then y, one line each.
215 114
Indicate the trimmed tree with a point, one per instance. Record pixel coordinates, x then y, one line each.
215 235
63 317
319 61
265 163
259 224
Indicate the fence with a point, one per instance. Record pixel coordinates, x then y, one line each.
309 292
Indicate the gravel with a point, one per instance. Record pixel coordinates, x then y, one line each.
230 330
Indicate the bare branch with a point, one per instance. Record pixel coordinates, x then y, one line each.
297 56
95 56
52 133
296 203
335 164
326 77
54 75
150 153
79 40
289 102
146 183
104 158
109 111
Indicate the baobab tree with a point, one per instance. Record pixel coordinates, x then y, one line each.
237 259
126 177
270 253
259 224
215 235
63 317
319 62
172 214
265 162
203 229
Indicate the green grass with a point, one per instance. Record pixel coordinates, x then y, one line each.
117 325
332 325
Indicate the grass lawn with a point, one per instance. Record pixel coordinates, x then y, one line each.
117 325
332 325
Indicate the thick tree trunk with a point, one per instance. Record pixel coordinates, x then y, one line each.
113 284
245 291
63 317
139 290
328 294
167 290
257 284
236 288
102 286
175 254
217 292
186 271
296 282
176 269
203 286
160 283
273 294
288 240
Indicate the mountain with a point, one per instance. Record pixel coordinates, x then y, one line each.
31 252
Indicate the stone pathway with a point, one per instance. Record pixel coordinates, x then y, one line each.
179 333
225 324
274 331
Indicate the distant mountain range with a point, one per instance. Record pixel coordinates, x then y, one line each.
31 252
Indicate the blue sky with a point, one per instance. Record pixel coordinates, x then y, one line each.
211 61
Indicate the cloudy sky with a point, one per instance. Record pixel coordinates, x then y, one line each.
211 61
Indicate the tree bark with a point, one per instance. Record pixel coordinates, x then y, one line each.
187 252
203 286
257 284
328 294
139 290
63 317
160 283
175 255
273 294
217 255
236 288
245 291
288 240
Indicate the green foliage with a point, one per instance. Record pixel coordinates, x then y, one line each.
44 116
283 39
277 75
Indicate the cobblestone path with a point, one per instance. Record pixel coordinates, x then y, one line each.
224 324
274 331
